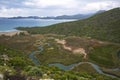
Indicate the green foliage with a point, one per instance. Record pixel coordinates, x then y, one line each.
18 42
58 74
85 68
56 54
104 26
17 62
105 56
9 51
13 58
33 71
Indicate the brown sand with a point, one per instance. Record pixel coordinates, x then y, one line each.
12 33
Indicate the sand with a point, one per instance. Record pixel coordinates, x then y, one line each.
12 33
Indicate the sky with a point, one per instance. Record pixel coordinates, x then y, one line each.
10 8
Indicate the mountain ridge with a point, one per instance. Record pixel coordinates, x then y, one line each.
104 26
75 16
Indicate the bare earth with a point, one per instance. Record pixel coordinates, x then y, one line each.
78 50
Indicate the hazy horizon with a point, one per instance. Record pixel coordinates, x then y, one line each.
13 8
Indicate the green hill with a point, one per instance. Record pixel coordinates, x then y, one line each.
104 26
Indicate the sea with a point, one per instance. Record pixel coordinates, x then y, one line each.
7 25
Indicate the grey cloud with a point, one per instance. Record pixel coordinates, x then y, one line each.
81 6
12 3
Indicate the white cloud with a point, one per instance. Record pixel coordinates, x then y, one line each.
105 5
49 3
55 7
11 12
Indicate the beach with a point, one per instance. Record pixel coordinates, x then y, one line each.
12 33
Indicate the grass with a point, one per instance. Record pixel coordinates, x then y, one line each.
3 69
58 74
13 58
55 54
22 43
113 72
105 56
85 68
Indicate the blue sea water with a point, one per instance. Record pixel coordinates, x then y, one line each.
11 24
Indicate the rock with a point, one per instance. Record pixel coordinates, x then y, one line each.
1 76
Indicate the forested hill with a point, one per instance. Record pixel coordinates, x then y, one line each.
103 26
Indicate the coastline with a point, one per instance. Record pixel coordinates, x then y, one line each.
12 33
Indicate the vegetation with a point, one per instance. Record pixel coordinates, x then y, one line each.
85 68
105 56
13 58
56 54
22 43
103 26
26 70
98 35
51 53
45 72
115 72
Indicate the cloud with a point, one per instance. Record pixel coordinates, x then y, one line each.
53 7
105 5
9 12
66 4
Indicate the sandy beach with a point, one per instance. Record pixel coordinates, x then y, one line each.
12 33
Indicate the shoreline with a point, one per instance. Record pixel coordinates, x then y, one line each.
12 33
11 30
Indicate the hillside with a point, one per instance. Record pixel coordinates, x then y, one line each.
104 26
15 54
15 63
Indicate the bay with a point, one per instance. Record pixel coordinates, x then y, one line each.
7 25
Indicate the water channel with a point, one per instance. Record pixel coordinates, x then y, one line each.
68 67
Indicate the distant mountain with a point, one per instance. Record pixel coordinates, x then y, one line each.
103 26
77 16
100 11
29 17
